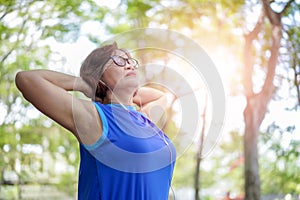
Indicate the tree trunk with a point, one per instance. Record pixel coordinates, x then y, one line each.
252 178
256 107
199 153
197 176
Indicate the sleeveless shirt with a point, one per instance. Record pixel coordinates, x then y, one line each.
132 160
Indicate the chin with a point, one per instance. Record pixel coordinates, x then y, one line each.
128 83
132 80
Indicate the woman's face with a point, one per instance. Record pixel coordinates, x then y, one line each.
120 77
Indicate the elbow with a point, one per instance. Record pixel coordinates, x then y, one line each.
163 101
18 79
21 79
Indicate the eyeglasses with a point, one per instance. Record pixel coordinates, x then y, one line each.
121 62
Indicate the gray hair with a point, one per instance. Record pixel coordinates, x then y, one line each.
92 68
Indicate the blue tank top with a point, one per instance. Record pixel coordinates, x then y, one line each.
132 160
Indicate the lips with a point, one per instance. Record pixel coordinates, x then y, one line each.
131 74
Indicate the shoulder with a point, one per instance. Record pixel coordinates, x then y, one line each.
88 124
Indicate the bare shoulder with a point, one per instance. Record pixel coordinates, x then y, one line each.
87 123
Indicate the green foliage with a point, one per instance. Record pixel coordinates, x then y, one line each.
231 162
67 183
29 146
184 171
138 8
24 29
8 192
280 165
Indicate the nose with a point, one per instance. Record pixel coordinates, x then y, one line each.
128 66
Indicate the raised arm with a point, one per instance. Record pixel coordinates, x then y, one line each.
153 102
48 92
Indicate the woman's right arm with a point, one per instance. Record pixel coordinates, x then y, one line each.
48 92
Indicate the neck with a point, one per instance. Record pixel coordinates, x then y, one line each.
120 96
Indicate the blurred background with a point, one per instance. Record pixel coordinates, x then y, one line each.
255 46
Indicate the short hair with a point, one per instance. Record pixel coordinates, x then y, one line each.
92 68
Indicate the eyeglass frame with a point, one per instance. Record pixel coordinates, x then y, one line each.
127 60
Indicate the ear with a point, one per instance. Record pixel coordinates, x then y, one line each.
101 90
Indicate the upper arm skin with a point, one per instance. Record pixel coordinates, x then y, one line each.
153 102
58 104
147 95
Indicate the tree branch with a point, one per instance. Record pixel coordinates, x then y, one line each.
268 86
286 7
275 20
253 34
248 58
15 44
296 72
7 10
274 17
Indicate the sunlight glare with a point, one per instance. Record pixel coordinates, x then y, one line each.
112 4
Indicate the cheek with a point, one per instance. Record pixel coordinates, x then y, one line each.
113 77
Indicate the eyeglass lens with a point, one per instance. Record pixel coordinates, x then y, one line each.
120 61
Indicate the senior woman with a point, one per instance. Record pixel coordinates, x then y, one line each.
124 155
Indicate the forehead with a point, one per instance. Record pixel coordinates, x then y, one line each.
122 52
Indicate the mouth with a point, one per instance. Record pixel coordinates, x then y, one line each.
131 74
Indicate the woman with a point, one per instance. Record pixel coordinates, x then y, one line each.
123 154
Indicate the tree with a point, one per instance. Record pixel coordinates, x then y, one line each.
279 161
25 27
268 30
257 102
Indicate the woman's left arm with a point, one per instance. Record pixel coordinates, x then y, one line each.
152 102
